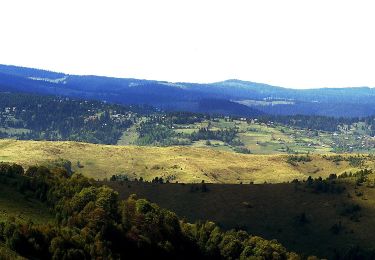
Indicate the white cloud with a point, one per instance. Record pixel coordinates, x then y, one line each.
287 43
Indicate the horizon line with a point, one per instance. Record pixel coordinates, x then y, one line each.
177 82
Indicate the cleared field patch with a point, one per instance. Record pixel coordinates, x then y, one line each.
14 131
129 136
259 138
214 144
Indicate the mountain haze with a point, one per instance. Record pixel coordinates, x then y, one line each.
230 97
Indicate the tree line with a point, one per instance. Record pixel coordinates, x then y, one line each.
57 118
92 222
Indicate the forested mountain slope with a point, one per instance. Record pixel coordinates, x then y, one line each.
91 222
232 97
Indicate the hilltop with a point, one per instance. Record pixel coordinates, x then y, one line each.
178 163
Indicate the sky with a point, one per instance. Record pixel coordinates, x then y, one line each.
298 44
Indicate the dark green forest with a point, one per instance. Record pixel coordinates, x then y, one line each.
32 117
158 129
52 118
91 222
36 117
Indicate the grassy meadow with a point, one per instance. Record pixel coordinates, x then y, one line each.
261 138
177 163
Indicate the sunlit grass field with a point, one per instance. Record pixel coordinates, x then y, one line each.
178 164
260 138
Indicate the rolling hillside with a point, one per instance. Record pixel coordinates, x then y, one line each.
91 222
182 164
324 224
231 97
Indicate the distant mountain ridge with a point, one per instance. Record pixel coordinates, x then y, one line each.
230 97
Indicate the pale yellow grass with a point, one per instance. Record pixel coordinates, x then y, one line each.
182 164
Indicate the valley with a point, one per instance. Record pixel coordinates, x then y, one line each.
210 177
33 117
250 135
187 130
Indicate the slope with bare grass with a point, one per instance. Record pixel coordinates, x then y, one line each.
181 164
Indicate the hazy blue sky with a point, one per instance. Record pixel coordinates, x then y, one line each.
301 44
